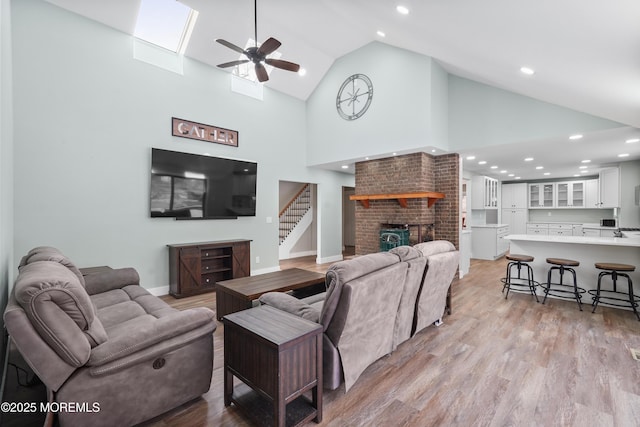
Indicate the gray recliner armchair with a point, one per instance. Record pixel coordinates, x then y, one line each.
103 340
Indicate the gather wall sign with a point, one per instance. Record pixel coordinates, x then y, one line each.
201 132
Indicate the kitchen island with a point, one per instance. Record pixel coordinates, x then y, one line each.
584 249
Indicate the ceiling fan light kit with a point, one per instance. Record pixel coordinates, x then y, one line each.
258 55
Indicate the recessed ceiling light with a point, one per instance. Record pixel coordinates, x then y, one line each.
574 137
402 10
539 167
584 171
471 157
512 174
528 71
582 167
494 167
586 161
366 158
482 162
345 166
503 171
623 155
631 141
381 33
395 154
302 72
547 173
528 159
517 177
576 174
434 150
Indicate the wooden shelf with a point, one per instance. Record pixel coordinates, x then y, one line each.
400 197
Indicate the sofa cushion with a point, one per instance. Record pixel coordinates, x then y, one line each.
59 309
435 247
291 305
48 253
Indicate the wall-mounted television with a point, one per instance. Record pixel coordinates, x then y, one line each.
193 186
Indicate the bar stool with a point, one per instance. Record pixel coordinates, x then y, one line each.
519 261
614 270
559 289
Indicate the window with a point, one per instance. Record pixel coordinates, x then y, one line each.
165 23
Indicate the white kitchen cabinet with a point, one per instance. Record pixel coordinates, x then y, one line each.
560 230
591 232
591 193
538 228
488 242
570 194
514 196
465 252
516 219
609 188
484 193
541 195
607 233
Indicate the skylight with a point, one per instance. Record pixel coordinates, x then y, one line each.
165 23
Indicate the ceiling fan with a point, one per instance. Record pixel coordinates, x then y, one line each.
258 55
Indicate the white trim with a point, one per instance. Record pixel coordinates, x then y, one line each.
264 271
159 291
334 258
301 254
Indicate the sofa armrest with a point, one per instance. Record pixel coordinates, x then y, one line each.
152 333
108 280
290 304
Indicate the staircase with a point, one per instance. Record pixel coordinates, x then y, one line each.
294 212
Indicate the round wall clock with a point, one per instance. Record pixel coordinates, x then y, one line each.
354 96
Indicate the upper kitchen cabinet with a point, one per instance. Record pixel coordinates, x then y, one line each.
570 194
514 196
541 196
591 193
609 188
484 192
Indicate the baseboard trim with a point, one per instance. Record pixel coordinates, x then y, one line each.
264 271
334 258
159 291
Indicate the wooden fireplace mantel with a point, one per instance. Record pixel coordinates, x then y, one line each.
431 197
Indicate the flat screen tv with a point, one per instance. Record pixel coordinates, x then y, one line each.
192 186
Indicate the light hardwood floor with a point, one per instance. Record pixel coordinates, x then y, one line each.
494 362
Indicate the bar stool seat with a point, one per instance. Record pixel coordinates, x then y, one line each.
520 283
560 289
611 297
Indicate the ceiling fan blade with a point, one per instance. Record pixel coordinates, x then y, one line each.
261 72
284 65
233 63
268 46
230 45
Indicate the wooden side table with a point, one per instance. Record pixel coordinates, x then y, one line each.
279 356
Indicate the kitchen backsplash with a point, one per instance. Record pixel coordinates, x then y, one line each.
569 215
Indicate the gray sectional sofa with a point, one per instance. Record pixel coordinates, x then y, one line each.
373 303
101 341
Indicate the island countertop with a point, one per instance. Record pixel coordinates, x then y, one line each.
631 241
584 249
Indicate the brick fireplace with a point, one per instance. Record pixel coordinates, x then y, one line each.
418 172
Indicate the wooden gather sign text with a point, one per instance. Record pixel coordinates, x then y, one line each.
202 132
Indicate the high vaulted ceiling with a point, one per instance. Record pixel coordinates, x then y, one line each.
586 53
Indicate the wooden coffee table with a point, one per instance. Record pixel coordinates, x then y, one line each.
238 294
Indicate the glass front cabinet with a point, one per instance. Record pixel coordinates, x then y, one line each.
570 194
541 196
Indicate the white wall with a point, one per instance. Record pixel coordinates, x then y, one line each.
86 117
482 115
6 164
399 117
